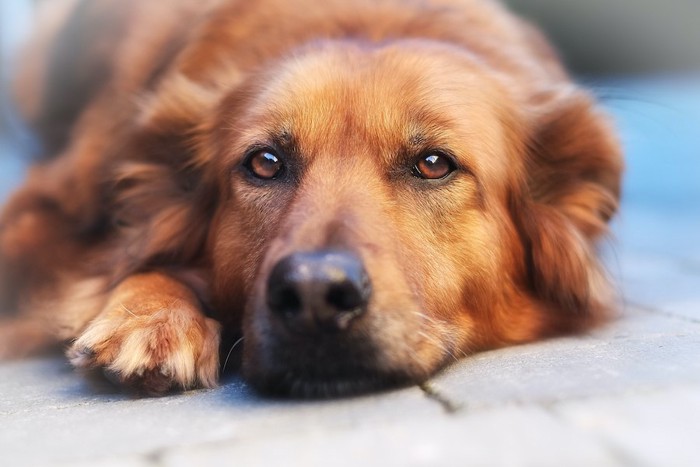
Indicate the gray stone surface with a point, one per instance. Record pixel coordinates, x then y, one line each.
642 351
626 394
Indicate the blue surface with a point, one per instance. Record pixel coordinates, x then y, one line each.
12 167
659 122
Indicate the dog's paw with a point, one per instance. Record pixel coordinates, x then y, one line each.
151 351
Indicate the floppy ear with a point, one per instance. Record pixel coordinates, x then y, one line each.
161 200
573 172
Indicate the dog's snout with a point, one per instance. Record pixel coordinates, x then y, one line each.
319 290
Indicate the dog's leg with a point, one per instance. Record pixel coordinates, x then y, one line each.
51 314
151 335
20 337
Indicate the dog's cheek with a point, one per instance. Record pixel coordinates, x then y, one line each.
233 262
466 257
451 267
240 238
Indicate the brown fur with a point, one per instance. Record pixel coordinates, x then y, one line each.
141 221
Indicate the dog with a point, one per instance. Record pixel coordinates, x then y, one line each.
338 196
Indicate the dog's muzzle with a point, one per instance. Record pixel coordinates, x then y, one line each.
317 332
322 291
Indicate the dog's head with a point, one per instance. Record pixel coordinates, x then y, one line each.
381 211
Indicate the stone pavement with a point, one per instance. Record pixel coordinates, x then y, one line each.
627 394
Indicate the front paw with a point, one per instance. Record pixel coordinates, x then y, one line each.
151 351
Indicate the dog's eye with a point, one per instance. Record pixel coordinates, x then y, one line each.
264 164
433 166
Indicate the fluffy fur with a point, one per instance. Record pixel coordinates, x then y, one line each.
140 237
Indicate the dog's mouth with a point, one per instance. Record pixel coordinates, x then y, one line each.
320 370
288 384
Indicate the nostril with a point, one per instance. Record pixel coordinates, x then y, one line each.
345 296
284 300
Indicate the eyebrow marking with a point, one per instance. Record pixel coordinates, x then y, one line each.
285 140
417 139
285 137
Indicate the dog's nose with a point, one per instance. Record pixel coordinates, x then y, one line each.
323 289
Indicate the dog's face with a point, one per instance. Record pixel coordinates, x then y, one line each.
381 211
363 215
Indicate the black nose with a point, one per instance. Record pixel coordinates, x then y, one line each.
323 289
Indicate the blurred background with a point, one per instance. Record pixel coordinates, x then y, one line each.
642 59
15 144
620 37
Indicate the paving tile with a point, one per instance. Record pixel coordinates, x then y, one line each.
508 436
656 280
122 461
657 428
507 419
78 420
85 422
672 233
640 351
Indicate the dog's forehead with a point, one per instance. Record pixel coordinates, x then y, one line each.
384 101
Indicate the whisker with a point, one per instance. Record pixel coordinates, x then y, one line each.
441 343
229 352
127 310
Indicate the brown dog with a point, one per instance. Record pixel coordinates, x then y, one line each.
363 191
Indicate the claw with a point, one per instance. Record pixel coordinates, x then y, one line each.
81 357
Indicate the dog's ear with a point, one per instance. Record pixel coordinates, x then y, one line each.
573 171
161 197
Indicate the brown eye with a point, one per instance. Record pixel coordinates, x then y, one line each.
433 166
264 164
